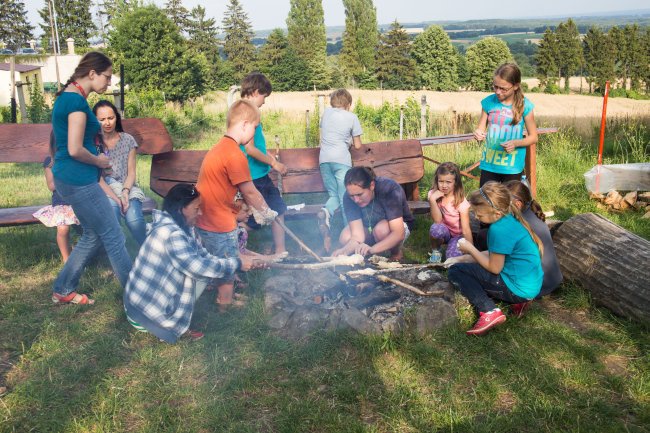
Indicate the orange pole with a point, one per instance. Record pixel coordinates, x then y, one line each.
602 125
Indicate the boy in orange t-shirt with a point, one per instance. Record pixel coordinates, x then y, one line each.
225 171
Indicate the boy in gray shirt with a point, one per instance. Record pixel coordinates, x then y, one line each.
340 129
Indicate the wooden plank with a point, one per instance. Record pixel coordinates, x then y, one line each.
17 216
400 160
30 142
168 169
460 138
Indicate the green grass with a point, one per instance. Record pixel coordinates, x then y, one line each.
567 366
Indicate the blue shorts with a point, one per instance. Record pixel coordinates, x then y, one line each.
222 245
272 197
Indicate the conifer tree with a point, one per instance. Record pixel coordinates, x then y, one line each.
360 37
395 67
570 58
599 55
15 30
202 35
178 14
307 38
547 59
483 58
436 59
617 38
271 53
74 20
238 45
109 10
636 60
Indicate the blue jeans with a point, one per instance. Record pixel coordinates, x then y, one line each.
221 245
480 286
134 218
92 207
333 175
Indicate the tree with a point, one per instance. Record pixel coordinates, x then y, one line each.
307 38
178 14
570 58
237 44
636 61
483 58
395 67
272 51
599 55
74 20
547 59
436 59
202 38
155 55
646 50
360 38
109 10
15 30
617 38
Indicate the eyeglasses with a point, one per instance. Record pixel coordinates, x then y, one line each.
193 191
107 76
501 89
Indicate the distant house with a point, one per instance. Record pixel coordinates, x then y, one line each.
27 74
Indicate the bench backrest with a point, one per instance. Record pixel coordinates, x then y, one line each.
400 160
30 142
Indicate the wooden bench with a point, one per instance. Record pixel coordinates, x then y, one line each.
401 160
29 143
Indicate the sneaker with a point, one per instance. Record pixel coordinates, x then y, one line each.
518 310
487 321
435 256
324 217
194 335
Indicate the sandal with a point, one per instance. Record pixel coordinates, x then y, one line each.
72 298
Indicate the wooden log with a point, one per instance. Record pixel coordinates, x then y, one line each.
608 261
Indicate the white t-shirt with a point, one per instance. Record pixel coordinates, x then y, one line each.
337 127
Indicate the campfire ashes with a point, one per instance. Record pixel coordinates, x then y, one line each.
302 301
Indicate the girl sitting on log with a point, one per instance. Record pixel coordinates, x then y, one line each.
378 215
511 269
534 216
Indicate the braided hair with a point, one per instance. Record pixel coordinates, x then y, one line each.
521 192
91 61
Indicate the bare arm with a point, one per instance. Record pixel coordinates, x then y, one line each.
530 138
76 149
356 141
492 262
465 226
433 195
252 196
129 181
49 178
109 191
479 133
267 159
357 237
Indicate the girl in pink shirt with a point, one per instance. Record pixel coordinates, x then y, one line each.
449 211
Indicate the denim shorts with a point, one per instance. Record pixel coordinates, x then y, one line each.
222 245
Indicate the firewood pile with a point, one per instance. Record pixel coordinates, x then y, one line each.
617 202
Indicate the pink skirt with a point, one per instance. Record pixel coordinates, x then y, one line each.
54 216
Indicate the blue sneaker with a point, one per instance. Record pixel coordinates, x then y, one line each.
435 256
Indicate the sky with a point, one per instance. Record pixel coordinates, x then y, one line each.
269 14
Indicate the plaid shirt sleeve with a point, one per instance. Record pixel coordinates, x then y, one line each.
191 259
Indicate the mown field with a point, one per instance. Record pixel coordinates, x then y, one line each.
568 366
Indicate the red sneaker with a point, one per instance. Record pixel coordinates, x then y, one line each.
486 321
518 310
194 335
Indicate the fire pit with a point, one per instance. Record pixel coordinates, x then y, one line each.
413 298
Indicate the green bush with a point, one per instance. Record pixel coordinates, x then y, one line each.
552 88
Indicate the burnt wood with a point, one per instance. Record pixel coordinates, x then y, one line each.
30 142
608 261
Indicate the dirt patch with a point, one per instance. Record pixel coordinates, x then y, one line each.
616 365
574 319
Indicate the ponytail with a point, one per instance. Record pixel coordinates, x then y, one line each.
521 192
515 212
517 106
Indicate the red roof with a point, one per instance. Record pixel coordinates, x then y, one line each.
19 67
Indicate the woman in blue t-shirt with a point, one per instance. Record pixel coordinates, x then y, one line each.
77 166
503 116
510 270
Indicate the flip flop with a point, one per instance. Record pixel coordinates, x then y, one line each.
72 298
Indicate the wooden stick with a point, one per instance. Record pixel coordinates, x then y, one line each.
406 286
297 239
370 272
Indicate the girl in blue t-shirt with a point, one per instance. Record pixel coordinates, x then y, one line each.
503 116
510 270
